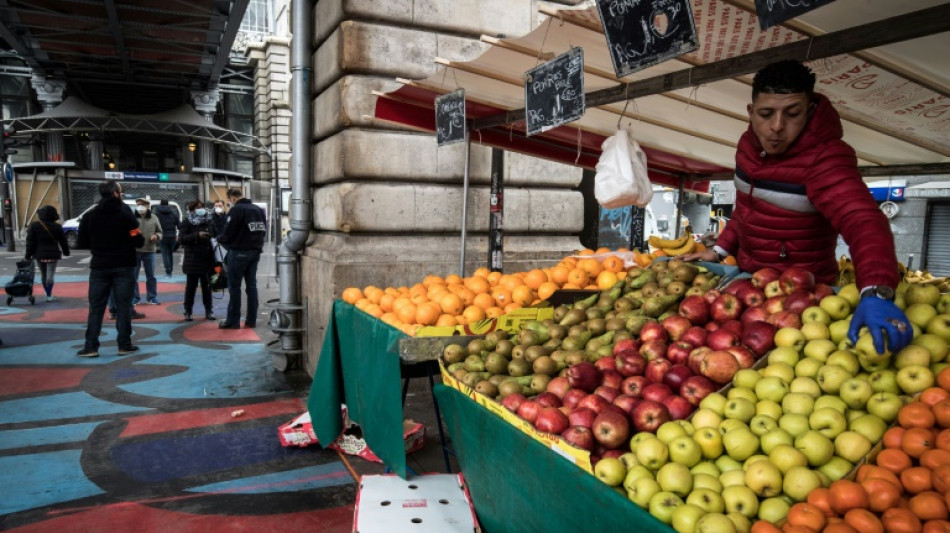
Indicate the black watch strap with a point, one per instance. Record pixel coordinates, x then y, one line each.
878 291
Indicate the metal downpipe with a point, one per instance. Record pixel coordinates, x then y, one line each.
287 319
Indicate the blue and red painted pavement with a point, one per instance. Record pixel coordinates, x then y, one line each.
147 442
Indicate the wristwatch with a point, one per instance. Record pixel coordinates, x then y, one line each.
879 291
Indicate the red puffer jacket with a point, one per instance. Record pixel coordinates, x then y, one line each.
790 208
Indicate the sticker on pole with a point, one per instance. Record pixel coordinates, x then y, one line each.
450 118
641 34
554 92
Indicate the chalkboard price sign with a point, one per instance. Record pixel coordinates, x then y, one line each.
450 118
554 92
643 33
772 12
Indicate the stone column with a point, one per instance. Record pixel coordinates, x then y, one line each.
206 103
50 94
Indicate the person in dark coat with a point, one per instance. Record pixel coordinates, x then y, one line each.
46 242
194 234
219 217
168 218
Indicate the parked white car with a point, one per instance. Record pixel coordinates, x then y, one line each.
71 226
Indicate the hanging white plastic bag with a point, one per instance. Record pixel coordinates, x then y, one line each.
621 178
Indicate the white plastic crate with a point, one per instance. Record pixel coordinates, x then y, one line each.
430 503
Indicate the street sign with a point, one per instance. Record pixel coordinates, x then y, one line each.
8 172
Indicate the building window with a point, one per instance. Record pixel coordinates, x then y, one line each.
238 110
15 97
257 19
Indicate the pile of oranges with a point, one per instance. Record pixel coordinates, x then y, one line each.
905 489
453 300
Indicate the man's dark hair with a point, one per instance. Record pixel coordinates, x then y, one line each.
108 188
784 77
195 204
235 193
164 202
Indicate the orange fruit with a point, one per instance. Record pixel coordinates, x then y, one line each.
838 527
612 263
941 410
943 379
477 284
510 282
591 266
933 395
894 460
882 494
522 294
585 251
915 441
351 295
916 479
864 521
446 320
386 302
808 515
473 314
602 250
453 279
943 439
940 478
900 521
916 415
451 304
578 277
432 279
893 436
493 277
482 300
374 310
928 506
933 459
362 303
659 253
846 495
729 260
606 280
494 312
547 289
501 296
762 526
535 278
391 319
789 528
936 526
820 498
558 274
407 313
512 307
482 272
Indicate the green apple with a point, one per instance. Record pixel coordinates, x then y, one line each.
686 517
662 505
937 367
855 393
793 423
669 431
743 523
920 313
815 331
611 471
798 403
845 359
785 456
706 499
817 448
833 402
705 467
852 446
866 350
837 307
685 451
715 523
740 499
715 402
784 354
913 379
757 457
808 367
727 464
854 414
652 453
740 409
819 349
640 437
710 442
836 468
706 418
746 378
687 425
729 424
911 355
940 326
791 337
675 478
919 293
799 481
732 478
776 437
828 422
885 405
783 371
815 315
850 293
706 481
937 346
773 509
629 460
762 424
830 378
874 366
768 408
871 426
771 388
884 381
633 475
943 305
739 392
825 480
740 443
805 385
839 330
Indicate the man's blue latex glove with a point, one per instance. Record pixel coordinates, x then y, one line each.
879 314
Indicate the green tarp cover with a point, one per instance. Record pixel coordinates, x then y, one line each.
519 485
359 366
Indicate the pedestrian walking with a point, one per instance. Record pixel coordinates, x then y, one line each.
197 230
112 234
243 237
46 242
145 255
168 218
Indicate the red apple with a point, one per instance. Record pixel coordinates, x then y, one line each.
785 319
753 314
725 307
678 407
611 429
630 364
584 376
799 300
593 401
696 336
796 278
607 393
605 363
821 290
764 276
513 401
676 326
656 392
676 376
548 399
695 388
653 349
558 386
743 354
626 344
759 337
582 416
774 304
721 339
612 453
712 325
719 366
579 436
611 378
633 386
627 403
773 288
652 331
572 397
529 410
711 295
695 308
551 420
678 352
649 415
734 326
696 357
751 296
737 286
656 369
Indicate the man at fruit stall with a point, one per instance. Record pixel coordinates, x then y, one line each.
797 189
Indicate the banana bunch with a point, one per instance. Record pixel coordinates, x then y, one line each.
683 244
845 271
925 277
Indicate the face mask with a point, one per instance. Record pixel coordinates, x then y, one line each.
141 209
219 210
201 212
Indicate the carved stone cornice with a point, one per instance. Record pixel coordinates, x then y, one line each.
48 92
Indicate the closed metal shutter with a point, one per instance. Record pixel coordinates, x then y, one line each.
937 254
85 193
